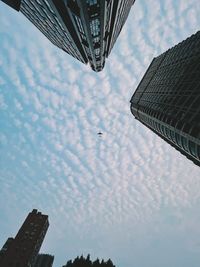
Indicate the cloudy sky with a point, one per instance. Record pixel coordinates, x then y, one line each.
126 195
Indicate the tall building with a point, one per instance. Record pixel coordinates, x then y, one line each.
5 248
44 260
167 100
85 29
22 251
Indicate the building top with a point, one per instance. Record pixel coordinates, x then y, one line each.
85 29
23 249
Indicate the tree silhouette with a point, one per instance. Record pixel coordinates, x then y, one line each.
86 262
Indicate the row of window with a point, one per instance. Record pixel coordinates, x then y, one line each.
91 2
184 50
122 14
95 27
94 30
170 133
42 15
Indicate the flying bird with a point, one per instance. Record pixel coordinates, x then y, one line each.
100 133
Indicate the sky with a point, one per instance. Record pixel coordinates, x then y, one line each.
127 195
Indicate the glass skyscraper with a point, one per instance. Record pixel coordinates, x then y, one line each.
85 29
167 100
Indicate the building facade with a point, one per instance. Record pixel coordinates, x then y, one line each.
167 100
85 29
22 251
44 260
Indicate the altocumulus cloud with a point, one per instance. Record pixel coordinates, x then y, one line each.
115 196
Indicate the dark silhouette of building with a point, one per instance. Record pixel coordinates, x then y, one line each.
85 29
13 3
22 251
167 100
5 248
44 260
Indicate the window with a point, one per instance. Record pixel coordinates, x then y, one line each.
192 148
95 27
178 139
184 143
92 2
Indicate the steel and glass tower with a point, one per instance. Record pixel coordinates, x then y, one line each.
85 29
167 100
22 251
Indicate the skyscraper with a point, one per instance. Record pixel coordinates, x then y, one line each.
22 251
44 260
85 29
167 100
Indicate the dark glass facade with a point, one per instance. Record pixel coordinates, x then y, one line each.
167 100
22 251
85 29
44 260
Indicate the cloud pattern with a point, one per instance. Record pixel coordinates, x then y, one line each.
122 195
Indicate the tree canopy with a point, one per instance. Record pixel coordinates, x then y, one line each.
87 262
